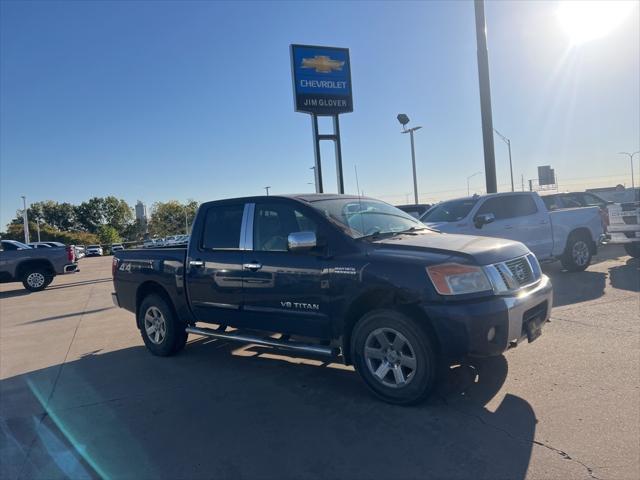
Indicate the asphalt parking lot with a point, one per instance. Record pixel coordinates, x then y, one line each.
81 397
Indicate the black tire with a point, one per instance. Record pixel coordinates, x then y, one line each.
162 333
418 345
632 249
36 279
577 254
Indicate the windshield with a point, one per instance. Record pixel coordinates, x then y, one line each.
93 246
451 211
363 217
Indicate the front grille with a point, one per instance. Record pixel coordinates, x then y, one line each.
521 270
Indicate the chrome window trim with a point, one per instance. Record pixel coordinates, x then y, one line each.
246 229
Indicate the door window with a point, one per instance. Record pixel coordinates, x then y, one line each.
274 222
509 206
222 227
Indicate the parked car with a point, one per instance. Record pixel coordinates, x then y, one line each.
55 244
116 247
557 201
80 251
93 250
571 236
34 267
415 210
337 275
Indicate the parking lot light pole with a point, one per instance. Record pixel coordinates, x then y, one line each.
630 155
508 142
25 219
469 178
266 189
404 119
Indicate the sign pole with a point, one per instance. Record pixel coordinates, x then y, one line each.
316 153
485 99
336 133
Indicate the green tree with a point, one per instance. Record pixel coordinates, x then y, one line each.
108 235
48 234
117 213
169 218
90 214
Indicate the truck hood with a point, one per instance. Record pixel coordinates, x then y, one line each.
484 250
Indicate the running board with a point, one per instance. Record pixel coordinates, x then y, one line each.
269 342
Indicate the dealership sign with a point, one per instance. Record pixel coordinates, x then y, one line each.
321 79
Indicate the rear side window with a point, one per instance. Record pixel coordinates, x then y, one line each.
509 206
222 227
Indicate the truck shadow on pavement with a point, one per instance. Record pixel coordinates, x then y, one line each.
222 411
575 287
627 276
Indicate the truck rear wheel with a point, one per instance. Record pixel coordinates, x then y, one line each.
161 331
632 249
577 254
394 357
36 279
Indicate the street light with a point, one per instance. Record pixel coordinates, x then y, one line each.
630 155
508 142
469 178
266 189
404 119
25 219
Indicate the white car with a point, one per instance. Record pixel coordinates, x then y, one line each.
571 236
117 247
93 250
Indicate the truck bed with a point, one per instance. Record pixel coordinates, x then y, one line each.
149 267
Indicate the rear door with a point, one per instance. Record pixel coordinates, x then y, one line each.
214 264
517 217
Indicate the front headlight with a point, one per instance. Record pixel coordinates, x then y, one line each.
458 279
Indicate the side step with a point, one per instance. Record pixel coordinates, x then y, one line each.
269 342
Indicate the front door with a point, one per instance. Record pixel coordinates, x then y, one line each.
284 291
214 265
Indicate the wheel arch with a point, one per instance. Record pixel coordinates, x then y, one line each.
37 263
378 299
581 232
148 288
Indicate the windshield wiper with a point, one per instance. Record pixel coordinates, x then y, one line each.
378 233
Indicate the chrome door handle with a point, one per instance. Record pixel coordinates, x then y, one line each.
196 263
252 266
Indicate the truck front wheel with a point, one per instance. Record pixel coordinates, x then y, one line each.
394 356
161 331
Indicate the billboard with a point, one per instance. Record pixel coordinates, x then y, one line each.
546 175
321 79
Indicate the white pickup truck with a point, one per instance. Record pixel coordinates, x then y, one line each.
571 236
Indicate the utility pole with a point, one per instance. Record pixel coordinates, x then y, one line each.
315 178
25 219
485 98
186 222
630 155
522 181
38 225
508 142
266 189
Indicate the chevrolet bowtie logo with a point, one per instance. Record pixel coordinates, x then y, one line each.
322 64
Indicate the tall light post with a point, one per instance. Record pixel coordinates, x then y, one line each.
315 179
508 142
469 178
266 189
630 155
404 119
186 222
25 219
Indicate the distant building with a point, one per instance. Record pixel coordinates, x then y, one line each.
141 214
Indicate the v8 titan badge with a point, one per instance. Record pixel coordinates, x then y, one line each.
321 79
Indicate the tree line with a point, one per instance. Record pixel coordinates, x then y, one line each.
104 220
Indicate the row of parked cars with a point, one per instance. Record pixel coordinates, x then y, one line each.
173 240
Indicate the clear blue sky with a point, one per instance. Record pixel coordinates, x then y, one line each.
177 100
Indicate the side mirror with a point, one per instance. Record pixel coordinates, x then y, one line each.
483 219
300 241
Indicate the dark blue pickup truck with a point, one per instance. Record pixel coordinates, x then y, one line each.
337 275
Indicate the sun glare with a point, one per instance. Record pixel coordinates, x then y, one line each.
590 19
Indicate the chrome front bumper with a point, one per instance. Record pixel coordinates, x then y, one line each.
517 306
